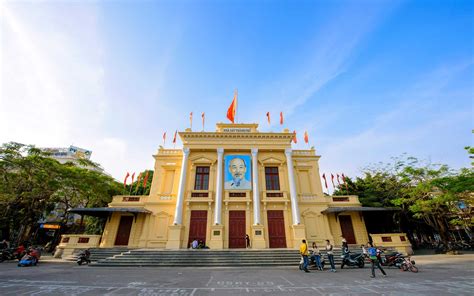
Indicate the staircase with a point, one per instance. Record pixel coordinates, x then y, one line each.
206 258
98 254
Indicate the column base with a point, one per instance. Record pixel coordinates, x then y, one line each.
175 237
258 238
299 234
217 237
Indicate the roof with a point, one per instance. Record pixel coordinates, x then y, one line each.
357 209
104 212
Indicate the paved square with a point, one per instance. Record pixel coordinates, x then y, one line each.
439 275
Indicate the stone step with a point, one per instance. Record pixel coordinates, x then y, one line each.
206 258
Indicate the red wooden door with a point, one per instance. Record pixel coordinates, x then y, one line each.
276 229
236 229
198 226
347 229
123 232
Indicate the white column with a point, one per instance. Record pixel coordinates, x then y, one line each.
255 188
294 198
178 214
218 207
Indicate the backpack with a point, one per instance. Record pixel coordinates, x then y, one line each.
372 252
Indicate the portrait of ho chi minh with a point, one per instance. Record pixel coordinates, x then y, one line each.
238 172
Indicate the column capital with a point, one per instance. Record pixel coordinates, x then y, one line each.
186 151
288 151
254 151
220 151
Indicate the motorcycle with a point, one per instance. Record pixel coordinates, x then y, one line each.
313 261
83 257
352 259
31 258
409 264
393 259
6 254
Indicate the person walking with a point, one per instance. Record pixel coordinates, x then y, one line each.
329 251
304 253
247 241
345 253
374 260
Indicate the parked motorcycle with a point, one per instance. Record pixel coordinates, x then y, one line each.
392 259
313 261
353 259
6 254
31 257
84 257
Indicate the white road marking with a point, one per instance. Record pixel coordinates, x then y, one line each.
210 280
287 281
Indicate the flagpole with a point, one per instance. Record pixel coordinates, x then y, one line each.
236 105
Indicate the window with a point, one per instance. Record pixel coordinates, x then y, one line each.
272 179
202 178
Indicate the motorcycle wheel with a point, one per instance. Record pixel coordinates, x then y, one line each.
80 263
414 269
404 267
361 264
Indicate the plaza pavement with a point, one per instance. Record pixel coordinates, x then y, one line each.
438 275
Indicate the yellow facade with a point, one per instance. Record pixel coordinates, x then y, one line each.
163 226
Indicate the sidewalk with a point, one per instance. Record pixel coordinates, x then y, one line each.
442 258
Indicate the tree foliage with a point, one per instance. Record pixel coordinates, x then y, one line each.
423 191
32 184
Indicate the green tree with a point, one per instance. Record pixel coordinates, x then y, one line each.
28 179
32 184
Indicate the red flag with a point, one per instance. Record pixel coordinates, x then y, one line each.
338 182
145 179
174 139
138 181
125 181
268 117
203 118
133 177
281 118
325 181
164 138
344 180
191 119
232 108
306 139
295 140
332 181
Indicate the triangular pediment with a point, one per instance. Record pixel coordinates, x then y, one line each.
271 160
309 213
201 159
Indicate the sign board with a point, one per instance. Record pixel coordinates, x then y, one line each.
236 130
50 226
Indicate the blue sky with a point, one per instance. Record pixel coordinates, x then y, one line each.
368 80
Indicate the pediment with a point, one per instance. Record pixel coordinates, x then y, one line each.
309 213
201 159
271 160
162 213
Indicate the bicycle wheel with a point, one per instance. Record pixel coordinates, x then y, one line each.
414 269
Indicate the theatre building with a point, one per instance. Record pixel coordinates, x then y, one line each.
225 184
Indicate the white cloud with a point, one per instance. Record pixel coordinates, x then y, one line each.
420 125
